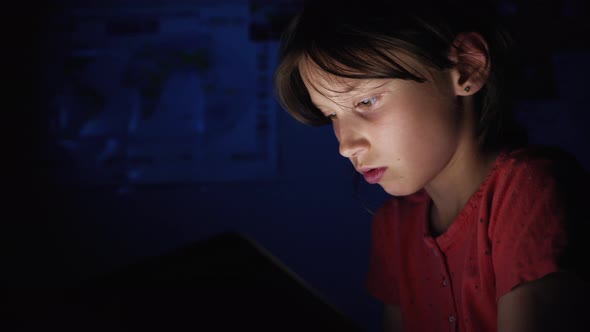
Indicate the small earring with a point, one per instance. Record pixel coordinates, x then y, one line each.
467 88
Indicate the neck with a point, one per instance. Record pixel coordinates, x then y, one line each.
451 190
459 180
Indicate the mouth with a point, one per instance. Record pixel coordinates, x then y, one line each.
373 175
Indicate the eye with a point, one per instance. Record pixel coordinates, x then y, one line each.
367 103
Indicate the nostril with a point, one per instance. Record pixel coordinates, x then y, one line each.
349 150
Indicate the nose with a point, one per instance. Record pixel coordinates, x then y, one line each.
351 140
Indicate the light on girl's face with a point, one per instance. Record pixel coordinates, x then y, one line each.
406 129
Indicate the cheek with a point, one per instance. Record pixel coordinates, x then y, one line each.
419 131
432 116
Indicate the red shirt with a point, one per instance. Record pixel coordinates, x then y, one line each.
512 230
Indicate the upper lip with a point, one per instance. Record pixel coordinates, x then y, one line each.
366 169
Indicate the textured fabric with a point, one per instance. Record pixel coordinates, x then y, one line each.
512 230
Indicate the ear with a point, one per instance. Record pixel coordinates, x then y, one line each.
470 54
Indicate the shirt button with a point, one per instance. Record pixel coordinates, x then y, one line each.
445 283
451 319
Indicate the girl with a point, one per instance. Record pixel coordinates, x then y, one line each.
480 231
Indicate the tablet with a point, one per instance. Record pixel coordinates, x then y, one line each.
224 283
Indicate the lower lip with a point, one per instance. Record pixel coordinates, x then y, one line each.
374 176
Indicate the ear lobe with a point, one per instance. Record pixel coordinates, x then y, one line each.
470 54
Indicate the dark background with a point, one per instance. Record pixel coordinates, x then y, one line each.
72 224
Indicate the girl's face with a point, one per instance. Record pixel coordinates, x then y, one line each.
398 133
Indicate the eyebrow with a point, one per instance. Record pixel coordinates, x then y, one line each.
320 106
353 89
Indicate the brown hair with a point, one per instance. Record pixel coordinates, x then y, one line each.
358 40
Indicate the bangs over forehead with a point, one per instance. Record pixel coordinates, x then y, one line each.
340 48
321 80
336 70
361 60
336 88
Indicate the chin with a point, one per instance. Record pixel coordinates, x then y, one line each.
399 190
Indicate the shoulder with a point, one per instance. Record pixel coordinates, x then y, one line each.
537 177
539 169
538 209
545 160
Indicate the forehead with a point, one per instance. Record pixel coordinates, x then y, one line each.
321 84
